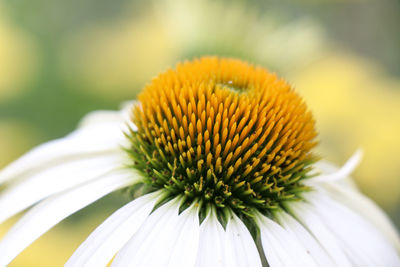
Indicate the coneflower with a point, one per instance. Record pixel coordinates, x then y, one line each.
217 156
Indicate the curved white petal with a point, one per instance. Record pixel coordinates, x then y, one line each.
281 248
52 210
166 238
295 229
101 246
343 172
304 213
364 245
345 191
98 138
25 193
366 208
240 248
211 243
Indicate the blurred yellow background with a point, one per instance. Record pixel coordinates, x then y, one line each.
61 59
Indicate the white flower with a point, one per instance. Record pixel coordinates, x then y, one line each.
330 224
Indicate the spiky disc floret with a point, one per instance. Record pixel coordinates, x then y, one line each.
225 132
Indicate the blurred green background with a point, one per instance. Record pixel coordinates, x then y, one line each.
60 59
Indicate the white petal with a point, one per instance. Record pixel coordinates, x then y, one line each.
366 208
303 212
294 228
364 245
240 248
147 235
165 239
100 117
345 191
126 111
101 246
185 249
281 248
99 138
343 172
211 243
52 210
122 116
55 179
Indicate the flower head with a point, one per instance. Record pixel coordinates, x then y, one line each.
217 154
224 132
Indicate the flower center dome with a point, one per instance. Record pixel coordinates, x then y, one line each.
224 132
